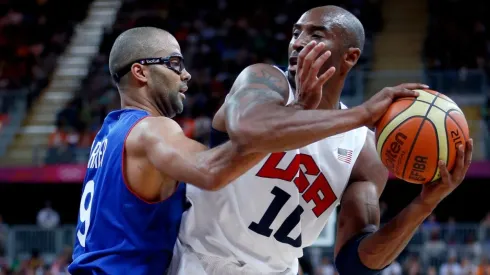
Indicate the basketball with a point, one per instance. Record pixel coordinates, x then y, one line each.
415 133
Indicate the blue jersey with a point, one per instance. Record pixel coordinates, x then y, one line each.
117 232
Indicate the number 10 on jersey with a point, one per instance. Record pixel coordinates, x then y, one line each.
319 191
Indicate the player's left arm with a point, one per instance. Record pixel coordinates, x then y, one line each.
362 247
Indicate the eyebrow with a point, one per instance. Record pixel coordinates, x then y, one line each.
176 54
311 27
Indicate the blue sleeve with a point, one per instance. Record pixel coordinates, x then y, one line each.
348 261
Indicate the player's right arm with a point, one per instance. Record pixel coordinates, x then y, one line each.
162 142
255 114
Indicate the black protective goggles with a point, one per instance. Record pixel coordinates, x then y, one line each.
172 62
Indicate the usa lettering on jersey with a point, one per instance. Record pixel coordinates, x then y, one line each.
319 192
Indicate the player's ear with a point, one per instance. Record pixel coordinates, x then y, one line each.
351 56
139 72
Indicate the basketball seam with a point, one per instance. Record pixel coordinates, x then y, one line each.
389 121
417 135
462 132
437 146
437 95
447 137
457 124
426 102
394 129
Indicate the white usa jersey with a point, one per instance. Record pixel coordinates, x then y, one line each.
262 221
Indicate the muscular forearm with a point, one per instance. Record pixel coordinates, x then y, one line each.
282 128
224 163
381 248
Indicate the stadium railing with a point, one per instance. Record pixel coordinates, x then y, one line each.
465 87
13 104
23 239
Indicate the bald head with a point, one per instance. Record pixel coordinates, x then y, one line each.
139 43
352 31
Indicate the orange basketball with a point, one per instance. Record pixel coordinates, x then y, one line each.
415 133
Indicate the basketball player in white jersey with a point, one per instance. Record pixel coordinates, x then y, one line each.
260 223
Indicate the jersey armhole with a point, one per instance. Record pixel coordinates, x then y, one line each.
291 92
363 131
123 170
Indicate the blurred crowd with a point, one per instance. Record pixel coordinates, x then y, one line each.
33 33
458 35
438 248
217 44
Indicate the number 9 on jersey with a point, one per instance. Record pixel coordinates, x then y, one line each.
85 207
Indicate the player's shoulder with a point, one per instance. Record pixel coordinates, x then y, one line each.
149 130
260 75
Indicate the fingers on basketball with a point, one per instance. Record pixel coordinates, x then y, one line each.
415 133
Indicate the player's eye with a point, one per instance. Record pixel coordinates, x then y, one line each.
175 61
296 34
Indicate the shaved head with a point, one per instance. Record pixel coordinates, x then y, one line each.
147 66
352 31
139 43
341 33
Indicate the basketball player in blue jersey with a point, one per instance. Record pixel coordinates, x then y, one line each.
132 201
279 207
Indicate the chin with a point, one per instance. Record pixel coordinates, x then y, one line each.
178 108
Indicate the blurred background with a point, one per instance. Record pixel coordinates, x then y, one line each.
55 90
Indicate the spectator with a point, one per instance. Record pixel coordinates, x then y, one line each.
326 267
60 265
485 234
484 267
34 265
468 267
412 266
434 248
472 249
430 224
432 270
449 230
393 269
48 218
451 267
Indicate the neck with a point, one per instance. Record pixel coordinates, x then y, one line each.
139 101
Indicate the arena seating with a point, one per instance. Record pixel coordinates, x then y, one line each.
217 45
32 35
457 56
458 35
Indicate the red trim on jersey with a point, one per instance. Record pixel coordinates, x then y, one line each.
124 173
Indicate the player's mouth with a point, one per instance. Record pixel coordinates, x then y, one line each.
293 63
182 91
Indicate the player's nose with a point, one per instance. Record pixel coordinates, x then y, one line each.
299 44
185 76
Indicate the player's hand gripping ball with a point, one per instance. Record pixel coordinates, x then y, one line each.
415 133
